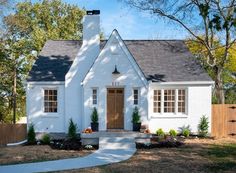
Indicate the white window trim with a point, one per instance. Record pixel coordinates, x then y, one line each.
176 114
136 88
50 114
94 88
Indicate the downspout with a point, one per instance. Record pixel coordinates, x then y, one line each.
82 107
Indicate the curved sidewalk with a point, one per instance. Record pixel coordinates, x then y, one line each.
111 150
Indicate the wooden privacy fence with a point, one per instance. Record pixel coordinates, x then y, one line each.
11 133
223 120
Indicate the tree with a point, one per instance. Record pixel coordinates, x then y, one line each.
205 21
26 31
228 78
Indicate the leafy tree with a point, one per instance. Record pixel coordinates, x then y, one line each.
209 18
228 78
26 31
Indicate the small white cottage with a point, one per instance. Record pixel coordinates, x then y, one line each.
160 77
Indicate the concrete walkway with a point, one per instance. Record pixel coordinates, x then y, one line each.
111 150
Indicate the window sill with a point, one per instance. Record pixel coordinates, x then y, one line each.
169 116
50 115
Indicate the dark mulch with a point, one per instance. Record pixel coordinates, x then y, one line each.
160 142
66 144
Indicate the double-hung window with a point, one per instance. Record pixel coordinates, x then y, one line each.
169 101
94 96
136 96
157 101
181 101
50 100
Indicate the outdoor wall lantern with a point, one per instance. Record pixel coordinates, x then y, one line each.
115 72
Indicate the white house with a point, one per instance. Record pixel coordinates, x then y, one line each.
161 77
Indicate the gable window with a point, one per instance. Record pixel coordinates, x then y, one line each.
94 97
135 93
181 101
169 101
157 101
50 100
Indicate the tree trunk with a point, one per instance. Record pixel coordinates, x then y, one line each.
14 96
219 87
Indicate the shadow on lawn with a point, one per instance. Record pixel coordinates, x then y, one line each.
223 157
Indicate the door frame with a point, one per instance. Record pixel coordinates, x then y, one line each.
124 106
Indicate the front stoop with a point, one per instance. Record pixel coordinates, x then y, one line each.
95 137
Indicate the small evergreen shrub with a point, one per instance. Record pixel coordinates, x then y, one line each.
31 136
160 132
72 130
186 133
136 116
45 139
203 126
94 116
173 133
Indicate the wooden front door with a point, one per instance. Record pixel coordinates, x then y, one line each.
115 106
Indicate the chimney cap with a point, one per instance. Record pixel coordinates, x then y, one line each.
93 12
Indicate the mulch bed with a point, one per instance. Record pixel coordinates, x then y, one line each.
160 142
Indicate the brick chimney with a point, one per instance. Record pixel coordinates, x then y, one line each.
91 30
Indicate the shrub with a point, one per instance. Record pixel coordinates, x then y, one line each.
203 126
173 133
46 139
94 116
184 128
186 132
136 116
31 135
72 130
160 132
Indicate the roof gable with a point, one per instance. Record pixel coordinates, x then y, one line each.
110 44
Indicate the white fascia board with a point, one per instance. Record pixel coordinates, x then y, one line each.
46 83
183 83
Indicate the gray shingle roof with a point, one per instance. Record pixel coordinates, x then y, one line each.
160 60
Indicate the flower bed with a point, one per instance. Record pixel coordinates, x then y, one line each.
161 142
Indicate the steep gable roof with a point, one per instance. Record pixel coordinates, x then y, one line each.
160 60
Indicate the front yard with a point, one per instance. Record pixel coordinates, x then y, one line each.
197 155
36 153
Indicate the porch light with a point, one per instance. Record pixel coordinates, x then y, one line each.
115 72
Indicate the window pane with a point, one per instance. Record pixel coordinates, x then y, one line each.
50 100
181 101
169 101
135 96
94 96
157 101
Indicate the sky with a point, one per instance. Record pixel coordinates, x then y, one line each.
130 23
